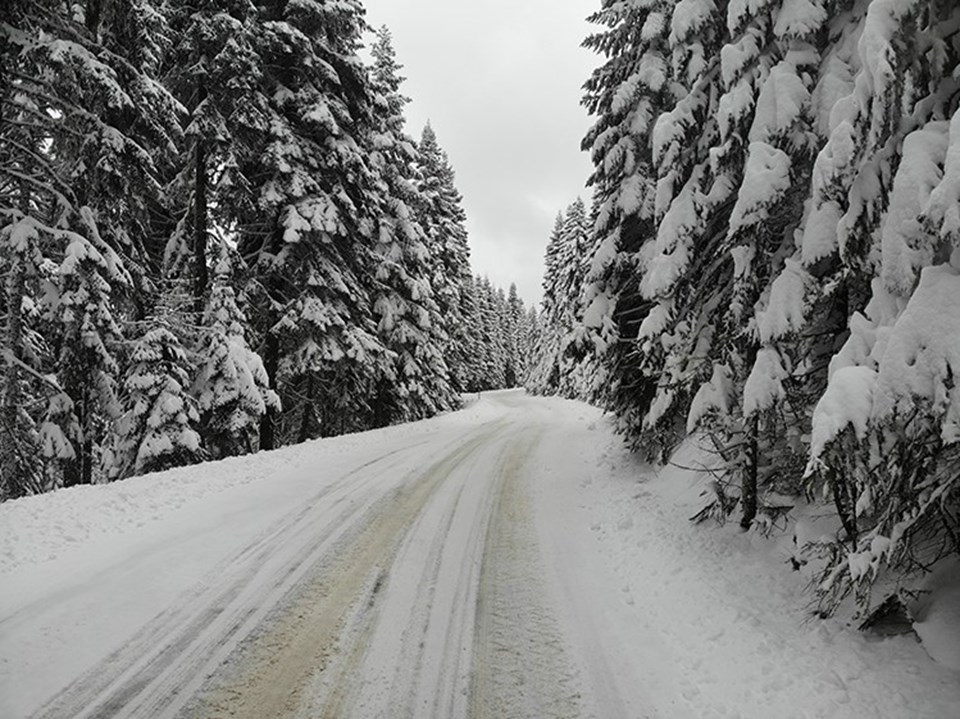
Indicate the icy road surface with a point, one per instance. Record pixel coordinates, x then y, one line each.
503 561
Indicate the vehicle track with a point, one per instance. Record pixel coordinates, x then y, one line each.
408 588
156 673
304 638
520 667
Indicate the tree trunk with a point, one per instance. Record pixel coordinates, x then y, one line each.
304 433
11 471
748 483
200 219
271 360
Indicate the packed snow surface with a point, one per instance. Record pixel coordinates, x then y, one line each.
507 560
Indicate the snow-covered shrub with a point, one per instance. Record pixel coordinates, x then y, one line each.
231 386
156 430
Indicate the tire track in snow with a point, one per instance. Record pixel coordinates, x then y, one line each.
520 667
155 673
302 640
419 628
458 625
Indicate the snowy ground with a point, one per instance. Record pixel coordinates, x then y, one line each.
503 561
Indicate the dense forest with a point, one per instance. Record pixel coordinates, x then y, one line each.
216 237
771 265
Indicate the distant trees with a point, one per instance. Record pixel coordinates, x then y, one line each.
773 262
216 237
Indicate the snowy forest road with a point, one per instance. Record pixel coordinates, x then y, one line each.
412 577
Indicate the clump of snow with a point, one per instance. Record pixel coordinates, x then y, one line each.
735 57
765 179
847 402
657 319
921 357
784 312
943 208
764 386
905 246
820 233
780 103
799 18
715 394
687 19
671 246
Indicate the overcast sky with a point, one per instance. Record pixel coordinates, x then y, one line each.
500 81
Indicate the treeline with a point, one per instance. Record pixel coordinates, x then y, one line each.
773 263
216 237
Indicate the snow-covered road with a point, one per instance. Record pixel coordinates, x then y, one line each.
390 574
496 562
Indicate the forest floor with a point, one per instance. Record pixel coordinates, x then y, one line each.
507 560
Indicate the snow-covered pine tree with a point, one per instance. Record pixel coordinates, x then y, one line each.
409 319
444 221
574 347
516 350
130 137
544 373
885 207
627 93
156 429
88 333
564 343
471 371
216 73
20 262
747 185
85 124
309 240
231 387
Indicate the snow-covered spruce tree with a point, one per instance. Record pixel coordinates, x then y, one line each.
83 124
409 319
575 348
516 343
21 470
733 221
530 343
887 201
231 387
88 336
309 240
443 219
564 343
472 373
156 429
545 373
626 93
215 72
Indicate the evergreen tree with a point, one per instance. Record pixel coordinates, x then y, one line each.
776 180
627 93
409 319
309 241
82 125
444 222
216 72
88 336
231 385
156 429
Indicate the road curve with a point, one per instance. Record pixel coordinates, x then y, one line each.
411 586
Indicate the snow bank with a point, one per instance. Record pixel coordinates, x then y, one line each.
39 529
718 622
